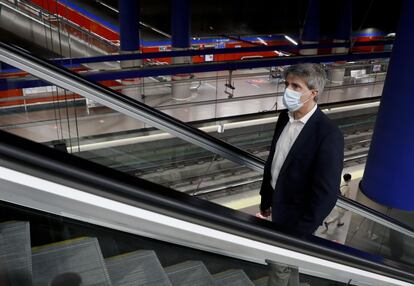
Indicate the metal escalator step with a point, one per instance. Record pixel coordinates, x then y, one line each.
232 277
137 268
71 262
15 254
261 281
189 273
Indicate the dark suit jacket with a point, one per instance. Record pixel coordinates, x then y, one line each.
308 182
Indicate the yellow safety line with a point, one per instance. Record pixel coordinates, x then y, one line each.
243 203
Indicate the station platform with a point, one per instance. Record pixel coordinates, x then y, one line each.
252 94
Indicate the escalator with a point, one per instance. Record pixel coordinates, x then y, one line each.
67 219
41 249
56 206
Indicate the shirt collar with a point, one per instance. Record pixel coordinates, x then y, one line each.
305 118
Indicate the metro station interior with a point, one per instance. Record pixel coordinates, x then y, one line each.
134 135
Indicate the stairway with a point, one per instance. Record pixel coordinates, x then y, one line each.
79 261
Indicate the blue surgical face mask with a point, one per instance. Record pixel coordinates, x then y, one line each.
291 99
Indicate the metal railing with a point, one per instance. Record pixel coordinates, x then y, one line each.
56 21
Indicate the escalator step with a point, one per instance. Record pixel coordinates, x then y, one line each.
71 262
232 277
189 273
15 254
137 268
261 281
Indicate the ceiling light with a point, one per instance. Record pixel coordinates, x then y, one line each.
291 40
262 41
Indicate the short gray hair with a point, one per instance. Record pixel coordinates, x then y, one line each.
313 75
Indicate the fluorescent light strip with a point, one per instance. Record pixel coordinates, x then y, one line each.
109 7
291 40
262 41
141 23
216 241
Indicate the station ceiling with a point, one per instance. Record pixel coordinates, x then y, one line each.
242 17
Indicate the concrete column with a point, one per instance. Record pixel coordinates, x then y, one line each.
389 172
311 27
129 37
180 34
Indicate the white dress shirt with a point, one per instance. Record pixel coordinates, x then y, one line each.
284 143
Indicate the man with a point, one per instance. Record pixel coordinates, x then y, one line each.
302 173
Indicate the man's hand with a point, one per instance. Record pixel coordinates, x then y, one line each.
264 214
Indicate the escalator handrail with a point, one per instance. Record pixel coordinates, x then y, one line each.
38 160
375 216
74 82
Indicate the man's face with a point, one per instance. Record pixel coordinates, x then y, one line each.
297 84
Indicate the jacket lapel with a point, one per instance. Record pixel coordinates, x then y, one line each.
301 140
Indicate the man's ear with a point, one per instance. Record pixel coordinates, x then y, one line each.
314 93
